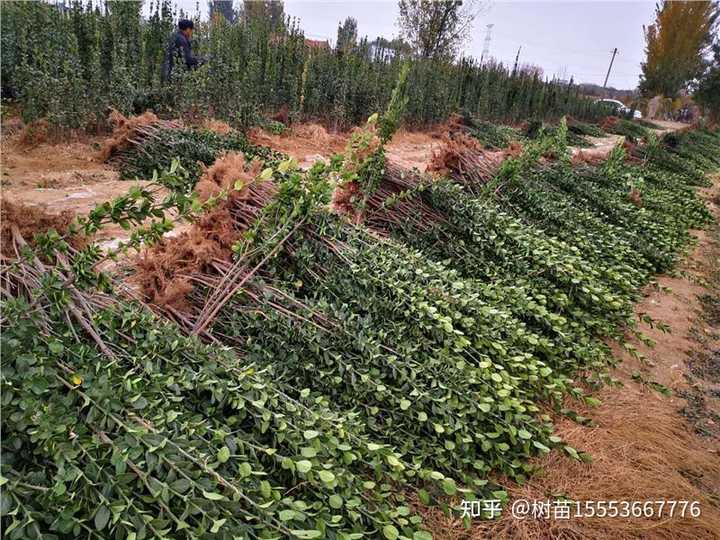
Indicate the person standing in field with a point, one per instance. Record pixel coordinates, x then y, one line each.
179 49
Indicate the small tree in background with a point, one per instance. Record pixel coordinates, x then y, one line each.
223 8
707 93
270 11
347 34
436 28
676 44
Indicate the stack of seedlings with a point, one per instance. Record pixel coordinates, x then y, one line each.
118 424
144 144
491 136
366 328
407 345
632 131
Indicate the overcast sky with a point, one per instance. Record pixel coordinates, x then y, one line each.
564 38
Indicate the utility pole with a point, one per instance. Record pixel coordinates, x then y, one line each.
517 59
610 67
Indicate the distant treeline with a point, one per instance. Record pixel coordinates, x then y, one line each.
70 63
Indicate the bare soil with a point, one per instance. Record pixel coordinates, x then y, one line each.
60 177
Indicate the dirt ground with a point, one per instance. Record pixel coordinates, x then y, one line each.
58 177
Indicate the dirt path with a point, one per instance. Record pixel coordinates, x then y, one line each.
645 445
59 177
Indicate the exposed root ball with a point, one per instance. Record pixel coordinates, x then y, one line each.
34 133
464 159
343 198
225 173
282 116
30 221
125 129
163 271
608 123
313 132
635 197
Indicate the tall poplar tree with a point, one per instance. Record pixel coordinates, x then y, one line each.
676 45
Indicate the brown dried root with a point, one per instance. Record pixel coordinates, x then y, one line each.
34 133
463 159
166 271
635 197
216 126
227 170
131 131
29 221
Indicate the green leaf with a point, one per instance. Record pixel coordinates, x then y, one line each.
286 515
102 516
335 501
524 434
422 535
213 496
449 486
303 465
390 532
223 455
405 404
310 434
306 533
217 524
245 470
327 477
180 485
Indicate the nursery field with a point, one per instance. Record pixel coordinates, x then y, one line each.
309 335
291 333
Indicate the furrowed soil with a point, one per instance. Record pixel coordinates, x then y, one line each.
645 445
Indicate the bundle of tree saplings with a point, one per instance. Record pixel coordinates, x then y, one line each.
144 144
117 424
430 367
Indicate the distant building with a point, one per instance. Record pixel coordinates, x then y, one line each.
317 44
382 52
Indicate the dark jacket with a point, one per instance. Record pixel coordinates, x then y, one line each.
178 49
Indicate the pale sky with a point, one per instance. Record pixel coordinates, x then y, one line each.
564 38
